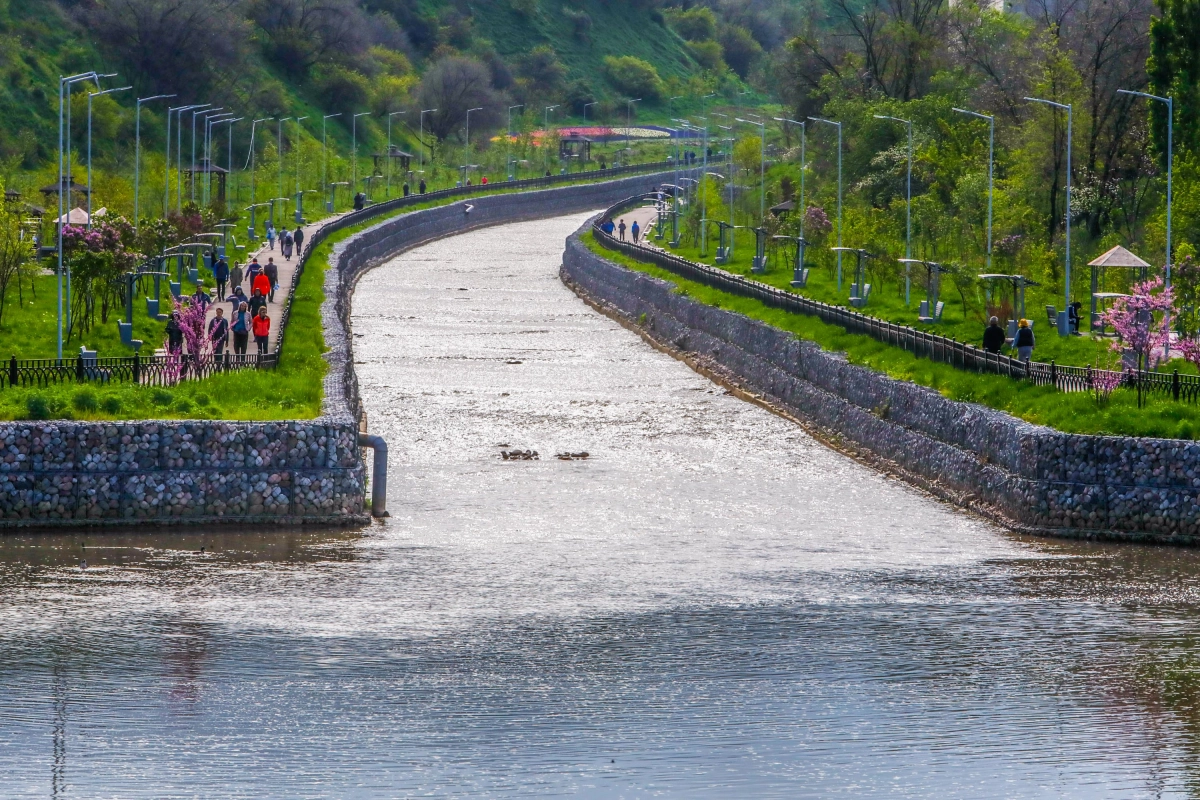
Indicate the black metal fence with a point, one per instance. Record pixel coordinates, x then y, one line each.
170 369
932 346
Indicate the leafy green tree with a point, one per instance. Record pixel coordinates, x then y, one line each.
1174 68
634 77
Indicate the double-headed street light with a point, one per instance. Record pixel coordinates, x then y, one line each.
89 146
838 125
204 115
178 112
137 156
209 123
388 190
1064 324
907 206
229 120
179 151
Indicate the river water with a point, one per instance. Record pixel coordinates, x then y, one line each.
711 604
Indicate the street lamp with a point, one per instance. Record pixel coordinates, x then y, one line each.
178 112
628 118
467 146
907 206
354 148
279 150
250 162
229 159
762 167
508 141
991 166
229 165
209 123
64 148
803 169
586 106
546 135
89 148
1064 325
1170 101
137 156
839 197
179 151
192 180
324 158
388 190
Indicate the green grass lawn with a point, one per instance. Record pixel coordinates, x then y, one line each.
1070 412
966 324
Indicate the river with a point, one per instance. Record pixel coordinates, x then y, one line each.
711 604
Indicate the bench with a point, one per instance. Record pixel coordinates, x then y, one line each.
91 371
924 316
859 299
1052 315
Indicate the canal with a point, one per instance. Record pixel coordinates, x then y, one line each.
709 604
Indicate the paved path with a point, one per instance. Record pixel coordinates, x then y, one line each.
286 270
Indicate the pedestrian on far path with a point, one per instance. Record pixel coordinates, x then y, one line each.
174 334
257 300
285 244
270 235
240 325
271 270
621 230
298 236
221 274
993 336
236 298
1024 341
421 186
635 231
261 284
235 277
262 330
253 271
407 190
218 331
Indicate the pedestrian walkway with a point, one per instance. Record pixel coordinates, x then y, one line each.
286 270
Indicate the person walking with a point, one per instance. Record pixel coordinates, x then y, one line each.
285 244
421 186
174 334
993 336
218 331
235 277
240 325
407 190
270 235
258 301
271 270
298 238
262 330
635 231
221 274
236 298
261 284
252 271
1024 341
621 230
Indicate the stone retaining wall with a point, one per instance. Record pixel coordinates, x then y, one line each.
61 473
1028 477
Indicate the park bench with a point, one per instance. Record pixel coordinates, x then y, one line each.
923 313
859 299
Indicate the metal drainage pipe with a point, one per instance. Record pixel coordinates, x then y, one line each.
378 473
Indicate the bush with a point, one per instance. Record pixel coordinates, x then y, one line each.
341 89
36 407
741 50
707 55
697 24
634 76
85 400
111 405
581 22
161 397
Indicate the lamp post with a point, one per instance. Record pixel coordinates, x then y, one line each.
354 149
586 106
467 146
229 157
279 150
388 190
762 167
1170 103
209 123
908 206
178 112
546 134
991 167
64 148
1064 325
299 210
803 169
229 166
838 125
89 146
179 152
629 118
508 141
250 161
192 180
324 156
421 138
137 156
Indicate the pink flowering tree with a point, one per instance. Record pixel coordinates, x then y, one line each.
198 347
98 257
1142 322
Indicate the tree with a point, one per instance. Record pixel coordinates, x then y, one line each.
452 86
1142 323
739 48
303 33
541 70
170 45
1174 68
16 248
697 24
634 76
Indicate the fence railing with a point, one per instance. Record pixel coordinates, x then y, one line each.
923 344
170 369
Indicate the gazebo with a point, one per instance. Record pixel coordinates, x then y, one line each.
783 209
396 155
1117 257
575 145
72 188
206 167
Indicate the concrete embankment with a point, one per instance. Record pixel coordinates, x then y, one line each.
1028 477
64 473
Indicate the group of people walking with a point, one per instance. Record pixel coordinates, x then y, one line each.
635 230
288 241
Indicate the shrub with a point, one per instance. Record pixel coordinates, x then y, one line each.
741 50
111 405
36 407
341 89
707 54
162 397
634 76
581 22
85 400
696 24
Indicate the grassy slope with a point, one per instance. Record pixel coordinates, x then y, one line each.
1071 412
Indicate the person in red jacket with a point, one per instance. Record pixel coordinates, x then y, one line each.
262 330
261 284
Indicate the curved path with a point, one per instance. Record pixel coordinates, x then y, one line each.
710 605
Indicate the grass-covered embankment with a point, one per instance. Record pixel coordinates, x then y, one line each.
1070 412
